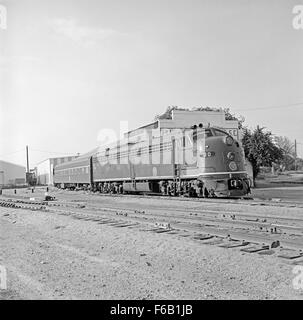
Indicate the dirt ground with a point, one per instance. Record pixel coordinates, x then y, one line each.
50 256
284 192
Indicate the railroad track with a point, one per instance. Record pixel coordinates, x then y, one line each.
243 201
248 201
226 214
251 236
265 222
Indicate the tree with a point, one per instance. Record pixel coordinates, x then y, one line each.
288 149
231 116
260 149
299 164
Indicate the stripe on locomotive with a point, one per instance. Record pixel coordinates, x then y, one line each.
230 175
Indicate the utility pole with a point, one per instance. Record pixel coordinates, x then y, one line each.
27 165
27 162
295 154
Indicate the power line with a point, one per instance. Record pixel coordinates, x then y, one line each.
272 107
8 154
36 150
44 151
52 152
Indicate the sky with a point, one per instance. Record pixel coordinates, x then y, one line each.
69 69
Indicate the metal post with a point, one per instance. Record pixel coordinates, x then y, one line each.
295 154
91 173
27 161
27 167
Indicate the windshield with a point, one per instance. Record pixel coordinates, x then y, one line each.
208 133
220 132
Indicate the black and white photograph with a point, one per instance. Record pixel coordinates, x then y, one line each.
151 152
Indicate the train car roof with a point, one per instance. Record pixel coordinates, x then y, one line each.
81 160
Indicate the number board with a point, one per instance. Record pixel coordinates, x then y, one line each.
233 132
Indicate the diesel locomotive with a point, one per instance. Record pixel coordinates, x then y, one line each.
194 162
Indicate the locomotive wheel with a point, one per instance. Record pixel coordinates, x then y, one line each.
205 192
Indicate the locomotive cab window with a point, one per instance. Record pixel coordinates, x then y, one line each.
220 132
207 132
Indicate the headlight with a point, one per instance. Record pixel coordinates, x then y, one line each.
231 156
233 166
229 140
207 154
210 154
